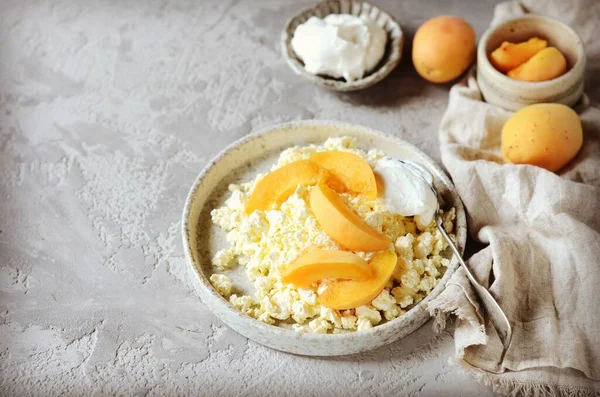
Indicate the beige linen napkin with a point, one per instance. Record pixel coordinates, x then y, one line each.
542 232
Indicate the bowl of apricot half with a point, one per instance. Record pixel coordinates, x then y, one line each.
530 59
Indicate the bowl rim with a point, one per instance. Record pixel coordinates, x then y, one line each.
381 71
207 287
482 55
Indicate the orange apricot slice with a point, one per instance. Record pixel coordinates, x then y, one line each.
354 173
275 187
342 224
510 55
320 265
547 64
348 294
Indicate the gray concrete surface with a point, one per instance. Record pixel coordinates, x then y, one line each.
108 110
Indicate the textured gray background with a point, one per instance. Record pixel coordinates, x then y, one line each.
108 110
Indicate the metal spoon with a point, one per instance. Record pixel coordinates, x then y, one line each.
497 316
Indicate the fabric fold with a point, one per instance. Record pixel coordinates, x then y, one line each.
542 237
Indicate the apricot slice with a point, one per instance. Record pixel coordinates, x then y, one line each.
547 64
510 55
320 264
348 294
275 187
353 172
342 224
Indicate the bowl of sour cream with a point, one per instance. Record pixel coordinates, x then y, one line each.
343 45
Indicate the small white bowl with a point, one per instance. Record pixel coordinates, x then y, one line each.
391 57
511 94
256 153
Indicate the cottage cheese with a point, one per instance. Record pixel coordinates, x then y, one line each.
265 241
222 284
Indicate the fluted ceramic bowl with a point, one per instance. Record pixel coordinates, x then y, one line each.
256 153
391 57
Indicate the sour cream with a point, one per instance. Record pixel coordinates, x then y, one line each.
340 45
404 192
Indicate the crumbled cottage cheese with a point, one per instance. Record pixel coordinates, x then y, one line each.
222 284
265 241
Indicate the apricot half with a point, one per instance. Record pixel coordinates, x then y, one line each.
348 294
547 64
275 187
320 265
354 173
510 55
342 224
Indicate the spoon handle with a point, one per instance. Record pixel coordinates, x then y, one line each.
497 316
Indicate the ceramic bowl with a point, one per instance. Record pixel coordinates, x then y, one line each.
511 94
391 57
256 153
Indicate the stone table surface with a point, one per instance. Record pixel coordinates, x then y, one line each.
108 111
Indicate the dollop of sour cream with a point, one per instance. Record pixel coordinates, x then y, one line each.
340 45
405 193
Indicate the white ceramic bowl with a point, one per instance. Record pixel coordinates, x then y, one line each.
511 94
391 57
256 153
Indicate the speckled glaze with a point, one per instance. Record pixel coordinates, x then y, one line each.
501 90
391 57
273 140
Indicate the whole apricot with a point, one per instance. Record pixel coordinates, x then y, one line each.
547 135
443 48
